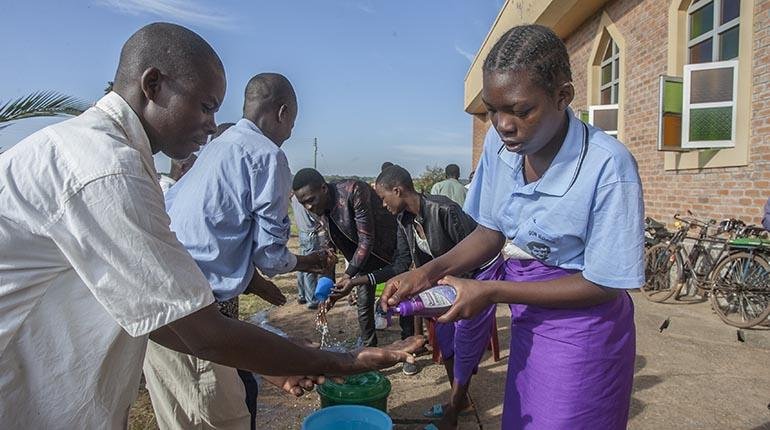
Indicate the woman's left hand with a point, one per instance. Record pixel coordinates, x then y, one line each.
472 297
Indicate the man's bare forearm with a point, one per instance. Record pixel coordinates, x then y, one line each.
209 335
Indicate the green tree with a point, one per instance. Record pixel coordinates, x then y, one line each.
430 176
38 104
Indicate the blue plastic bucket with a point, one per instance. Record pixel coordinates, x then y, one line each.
348 417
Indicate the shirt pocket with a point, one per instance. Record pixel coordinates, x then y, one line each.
539 243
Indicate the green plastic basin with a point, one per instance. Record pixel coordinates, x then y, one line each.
368 389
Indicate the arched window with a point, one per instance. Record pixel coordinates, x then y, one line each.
604 115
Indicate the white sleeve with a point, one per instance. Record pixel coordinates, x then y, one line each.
115 234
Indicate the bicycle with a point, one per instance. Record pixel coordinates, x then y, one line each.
654 232
673 270
740 285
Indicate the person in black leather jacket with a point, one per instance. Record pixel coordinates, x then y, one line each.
429 226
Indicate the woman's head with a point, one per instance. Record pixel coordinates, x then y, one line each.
527 87
393 186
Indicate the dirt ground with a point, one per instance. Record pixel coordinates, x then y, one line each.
696 374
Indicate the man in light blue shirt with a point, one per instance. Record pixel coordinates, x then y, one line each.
230 211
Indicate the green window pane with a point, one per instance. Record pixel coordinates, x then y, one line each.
730 10
728 44
615 93
702 20
672 97
701 53
709 124
606 74
616 70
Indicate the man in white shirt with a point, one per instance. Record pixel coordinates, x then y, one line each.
89 267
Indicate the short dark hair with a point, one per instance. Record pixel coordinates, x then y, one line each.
174 50
268 91
395 176
452 171
535 49
385 165
307 177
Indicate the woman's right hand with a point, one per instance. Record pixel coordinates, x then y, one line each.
403 286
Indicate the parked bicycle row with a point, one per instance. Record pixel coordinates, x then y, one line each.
725 262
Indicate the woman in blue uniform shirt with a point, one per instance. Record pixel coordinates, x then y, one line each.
570 196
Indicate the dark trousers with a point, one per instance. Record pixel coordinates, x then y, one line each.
252 389
407 326
365 304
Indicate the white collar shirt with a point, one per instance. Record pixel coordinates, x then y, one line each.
88 268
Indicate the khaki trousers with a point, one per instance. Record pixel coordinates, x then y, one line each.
190 393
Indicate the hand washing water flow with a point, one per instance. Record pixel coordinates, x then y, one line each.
322 291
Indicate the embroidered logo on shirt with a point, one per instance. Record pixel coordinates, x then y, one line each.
539 250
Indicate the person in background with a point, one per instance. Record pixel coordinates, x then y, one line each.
180 167
570 196
309 242
451 186
359 227
177 170
428 227
766 218
90 268
470 179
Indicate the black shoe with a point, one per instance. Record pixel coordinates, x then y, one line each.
410 369
312 305
301 301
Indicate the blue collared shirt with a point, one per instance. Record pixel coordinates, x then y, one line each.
231 209
585 213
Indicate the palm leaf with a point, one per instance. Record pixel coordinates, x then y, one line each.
40 103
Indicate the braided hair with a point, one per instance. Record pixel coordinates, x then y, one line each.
534 49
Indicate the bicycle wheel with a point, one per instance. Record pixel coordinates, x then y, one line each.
694 288
662 271
740 294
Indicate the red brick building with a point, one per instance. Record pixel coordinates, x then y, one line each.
685 84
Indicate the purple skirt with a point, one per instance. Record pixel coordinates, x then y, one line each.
568 368
465 340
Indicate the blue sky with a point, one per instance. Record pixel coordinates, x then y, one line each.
376 80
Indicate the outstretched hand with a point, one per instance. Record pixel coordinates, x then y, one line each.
342 288
390 355
295 385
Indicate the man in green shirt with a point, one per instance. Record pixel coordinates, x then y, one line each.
451 186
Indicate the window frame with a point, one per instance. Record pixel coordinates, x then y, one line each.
661 103
687 106
614 83
592 108
716 32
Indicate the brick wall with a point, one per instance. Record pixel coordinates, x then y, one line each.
711 193
480 127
